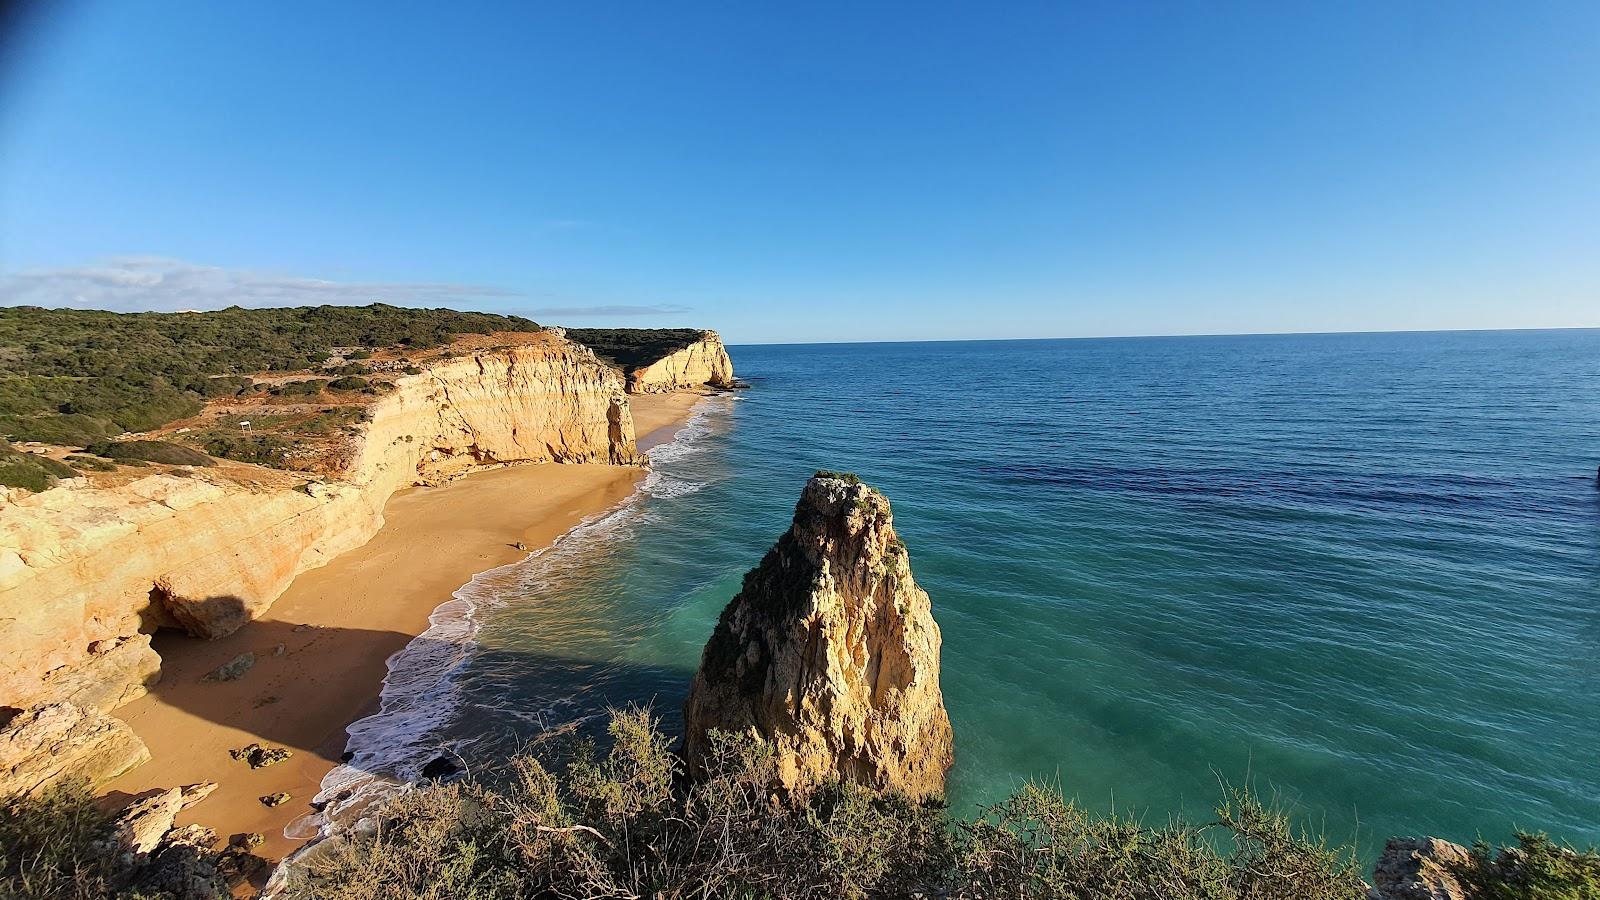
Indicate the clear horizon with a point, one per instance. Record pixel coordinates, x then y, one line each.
899 173
1135 337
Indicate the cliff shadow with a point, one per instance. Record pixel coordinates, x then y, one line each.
283 684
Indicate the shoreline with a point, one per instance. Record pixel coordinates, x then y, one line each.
322 650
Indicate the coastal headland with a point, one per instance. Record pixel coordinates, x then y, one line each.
211 602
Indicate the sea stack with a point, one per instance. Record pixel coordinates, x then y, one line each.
830 651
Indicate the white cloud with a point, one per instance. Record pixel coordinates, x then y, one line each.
133 283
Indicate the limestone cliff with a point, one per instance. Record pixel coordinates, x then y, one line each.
41 746
703 363
87 572
831 652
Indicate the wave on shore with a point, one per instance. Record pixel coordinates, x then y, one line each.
388 751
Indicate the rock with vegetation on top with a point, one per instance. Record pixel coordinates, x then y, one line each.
41 747
830 651
662 360
704 362
1419 869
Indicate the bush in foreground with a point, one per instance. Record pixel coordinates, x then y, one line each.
628 825
1537 868
51 846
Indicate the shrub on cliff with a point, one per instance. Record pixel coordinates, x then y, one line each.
220 386
631 348
90 463
151 451
51 846
30 470
260 449
64 430
348 383
627 825
63 844
1537 868
303 388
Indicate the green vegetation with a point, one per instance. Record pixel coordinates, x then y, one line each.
73 377
49 847
30 470
630 348
846 477
58 845
1537 868
66 429
349 383
307 388
90 463
151 451
260 449
628 825
272 437
220 386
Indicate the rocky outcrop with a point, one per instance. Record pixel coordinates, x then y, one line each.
185 867
1419 869
39 747
87 572
703 363
145 821
156 857
112 672
830 651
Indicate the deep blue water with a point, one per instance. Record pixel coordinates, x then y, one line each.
1361 572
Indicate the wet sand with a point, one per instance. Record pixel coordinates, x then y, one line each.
321 650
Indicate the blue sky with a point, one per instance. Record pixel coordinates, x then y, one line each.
789 172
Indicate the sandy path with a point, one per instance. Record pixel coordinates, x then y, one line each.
338 625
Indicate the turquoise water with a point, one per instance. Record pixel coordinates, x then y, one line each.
1361 572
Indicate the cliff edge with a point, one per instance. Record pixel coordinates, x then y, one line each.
831 652
703 363
662 360
88 570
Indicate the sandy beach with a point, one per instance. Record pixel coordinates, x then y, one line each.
321 649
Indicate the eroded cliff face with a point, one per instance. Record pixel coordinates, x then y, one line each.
831 652
40 747
703 363
86 572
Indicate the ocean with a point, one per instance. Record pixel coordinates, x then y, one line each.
1358 572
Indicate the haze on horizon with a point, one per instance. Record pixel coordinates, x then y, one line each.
904 171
